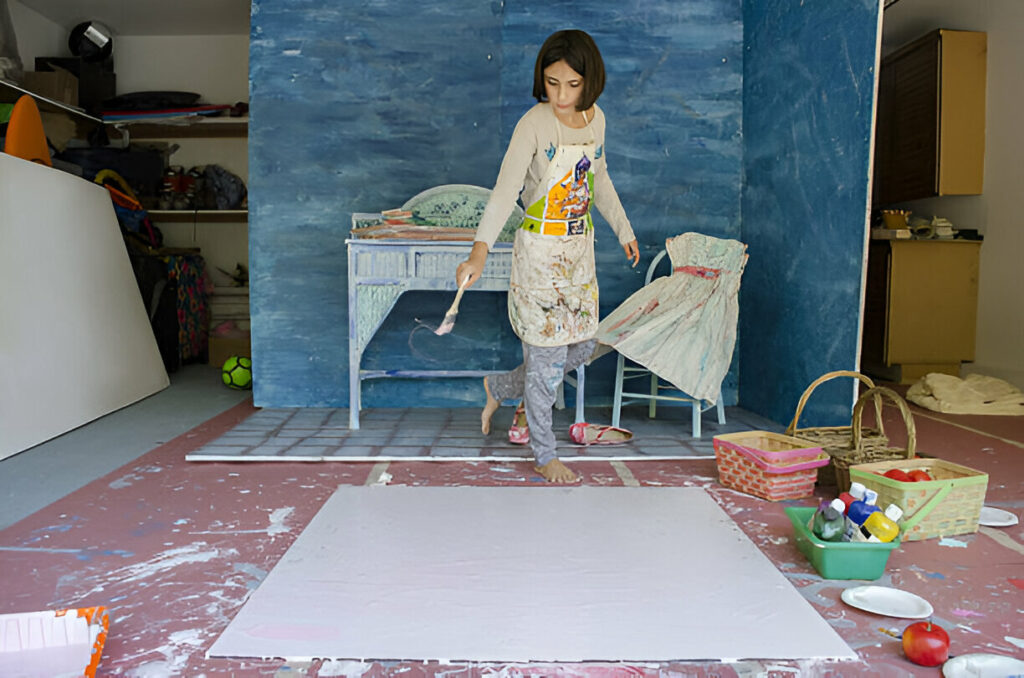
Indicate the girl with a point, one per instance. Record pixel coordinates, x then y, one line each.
556 159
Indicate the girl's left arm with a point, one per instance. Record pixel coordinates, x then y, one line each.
606 199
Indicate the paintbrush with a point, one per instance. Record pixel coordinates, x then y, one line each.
453 311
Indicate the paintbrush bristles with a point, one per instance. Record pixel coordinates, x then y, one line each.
449 318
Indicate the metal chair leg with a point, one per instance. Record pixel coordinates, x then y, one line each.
620 365
579 395
652 404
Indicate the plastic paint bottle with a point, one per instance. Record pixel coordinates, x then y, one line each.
882 527
828 522
858 513
855 492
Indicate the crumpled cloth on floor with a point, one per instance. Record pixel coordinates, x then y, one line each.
682 326
975 394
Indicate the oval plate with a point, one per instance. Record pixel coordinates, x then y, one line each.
888 601
993 517
982 665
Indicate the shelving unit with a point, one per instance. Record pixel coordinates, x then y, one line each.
195 127
205 216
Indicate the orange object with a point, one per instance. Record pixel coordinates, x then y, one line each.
25 136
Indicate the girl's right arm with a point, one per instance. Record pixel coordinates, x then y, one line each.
511 176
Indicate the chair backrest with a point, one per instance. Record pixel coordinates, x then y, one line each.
25 136
654 264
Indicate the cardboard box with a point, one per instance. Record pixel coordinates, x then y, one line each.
58 84
222 348
96 80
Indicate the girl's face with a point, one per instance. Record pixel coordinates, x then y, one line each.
563 87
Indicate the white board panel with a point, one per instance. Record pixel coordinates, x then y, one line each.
526 574
75 339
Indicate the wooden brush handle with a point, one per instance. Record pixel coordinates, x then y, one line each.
458 296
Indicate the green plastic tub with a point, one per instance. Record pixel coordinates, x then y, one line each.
839 560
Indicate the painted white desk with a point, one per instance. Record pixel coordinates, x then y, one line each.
379 271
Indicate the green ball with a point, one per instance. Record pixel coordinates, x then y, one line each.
237 372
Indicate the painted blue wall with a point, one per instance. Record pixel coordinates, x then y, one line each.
807 108
358 108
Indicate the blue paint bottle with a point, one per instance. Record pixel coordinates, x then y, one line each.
859 512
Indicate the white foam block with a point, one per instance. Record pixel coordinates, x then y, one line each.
526 574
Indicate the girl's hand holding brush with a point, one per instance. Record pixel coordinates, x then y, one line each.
473 266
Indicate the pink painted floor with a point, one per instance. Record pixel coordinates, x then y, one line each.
173 549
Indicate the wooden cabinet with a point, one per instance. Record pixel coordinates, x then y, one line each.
930 131
920 307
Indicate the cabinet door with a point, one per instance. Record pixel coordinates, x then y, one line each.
962 113
908 125
930 130
933 292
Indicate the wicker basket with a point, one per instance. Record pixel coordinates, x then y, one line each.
767 465
836 438
860 452
950 504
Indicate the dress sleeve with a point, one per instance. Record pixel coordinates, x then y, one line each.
607 202
518 156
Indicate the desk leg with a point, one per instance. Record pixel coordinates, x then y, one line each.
354 352
354 385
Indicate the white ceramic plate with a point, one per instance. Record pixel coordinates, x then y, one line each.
982 665
993 517
888 601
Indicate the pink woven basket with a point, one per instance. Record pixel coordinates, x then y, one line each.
768 465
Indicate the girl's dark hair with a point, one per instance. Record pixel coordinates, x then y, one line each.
581 53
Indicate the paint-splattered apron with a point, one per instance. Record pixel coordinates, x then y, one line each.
552 297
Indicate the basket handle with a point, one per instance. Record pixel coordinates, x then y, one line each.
908 418
828 376
923 512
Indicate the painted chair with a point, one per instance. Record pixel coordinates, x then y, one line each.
658 389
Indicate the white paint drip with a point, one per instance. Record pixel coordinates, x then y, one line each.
1014 641
378 471
180 646
277 518
164 562
337 667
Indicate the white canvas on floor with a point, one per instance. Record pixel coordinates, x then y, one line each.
518 574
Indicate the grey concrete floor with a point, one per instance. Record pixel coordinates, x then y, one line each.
38 476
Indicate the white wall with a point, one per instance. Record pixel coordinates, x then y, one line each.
996 213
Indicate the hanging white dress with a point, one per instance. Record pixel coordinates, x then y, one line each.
682 326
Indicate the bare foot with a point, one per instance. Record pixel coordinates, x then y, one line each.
556 472
488 411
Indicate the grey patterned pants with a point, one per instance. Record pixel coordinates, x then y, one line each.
536 381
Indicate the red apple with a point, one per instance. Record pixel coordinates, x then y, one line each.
919 474
897 474
926 643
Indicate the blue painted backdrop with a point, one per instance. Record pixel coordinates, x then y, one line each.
746 120
359 107
807 106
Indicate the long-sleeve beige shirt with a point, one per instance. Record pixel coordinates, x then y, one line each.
526 160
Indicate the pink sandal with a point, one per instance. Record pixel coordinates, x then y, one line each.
519 433
583 433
